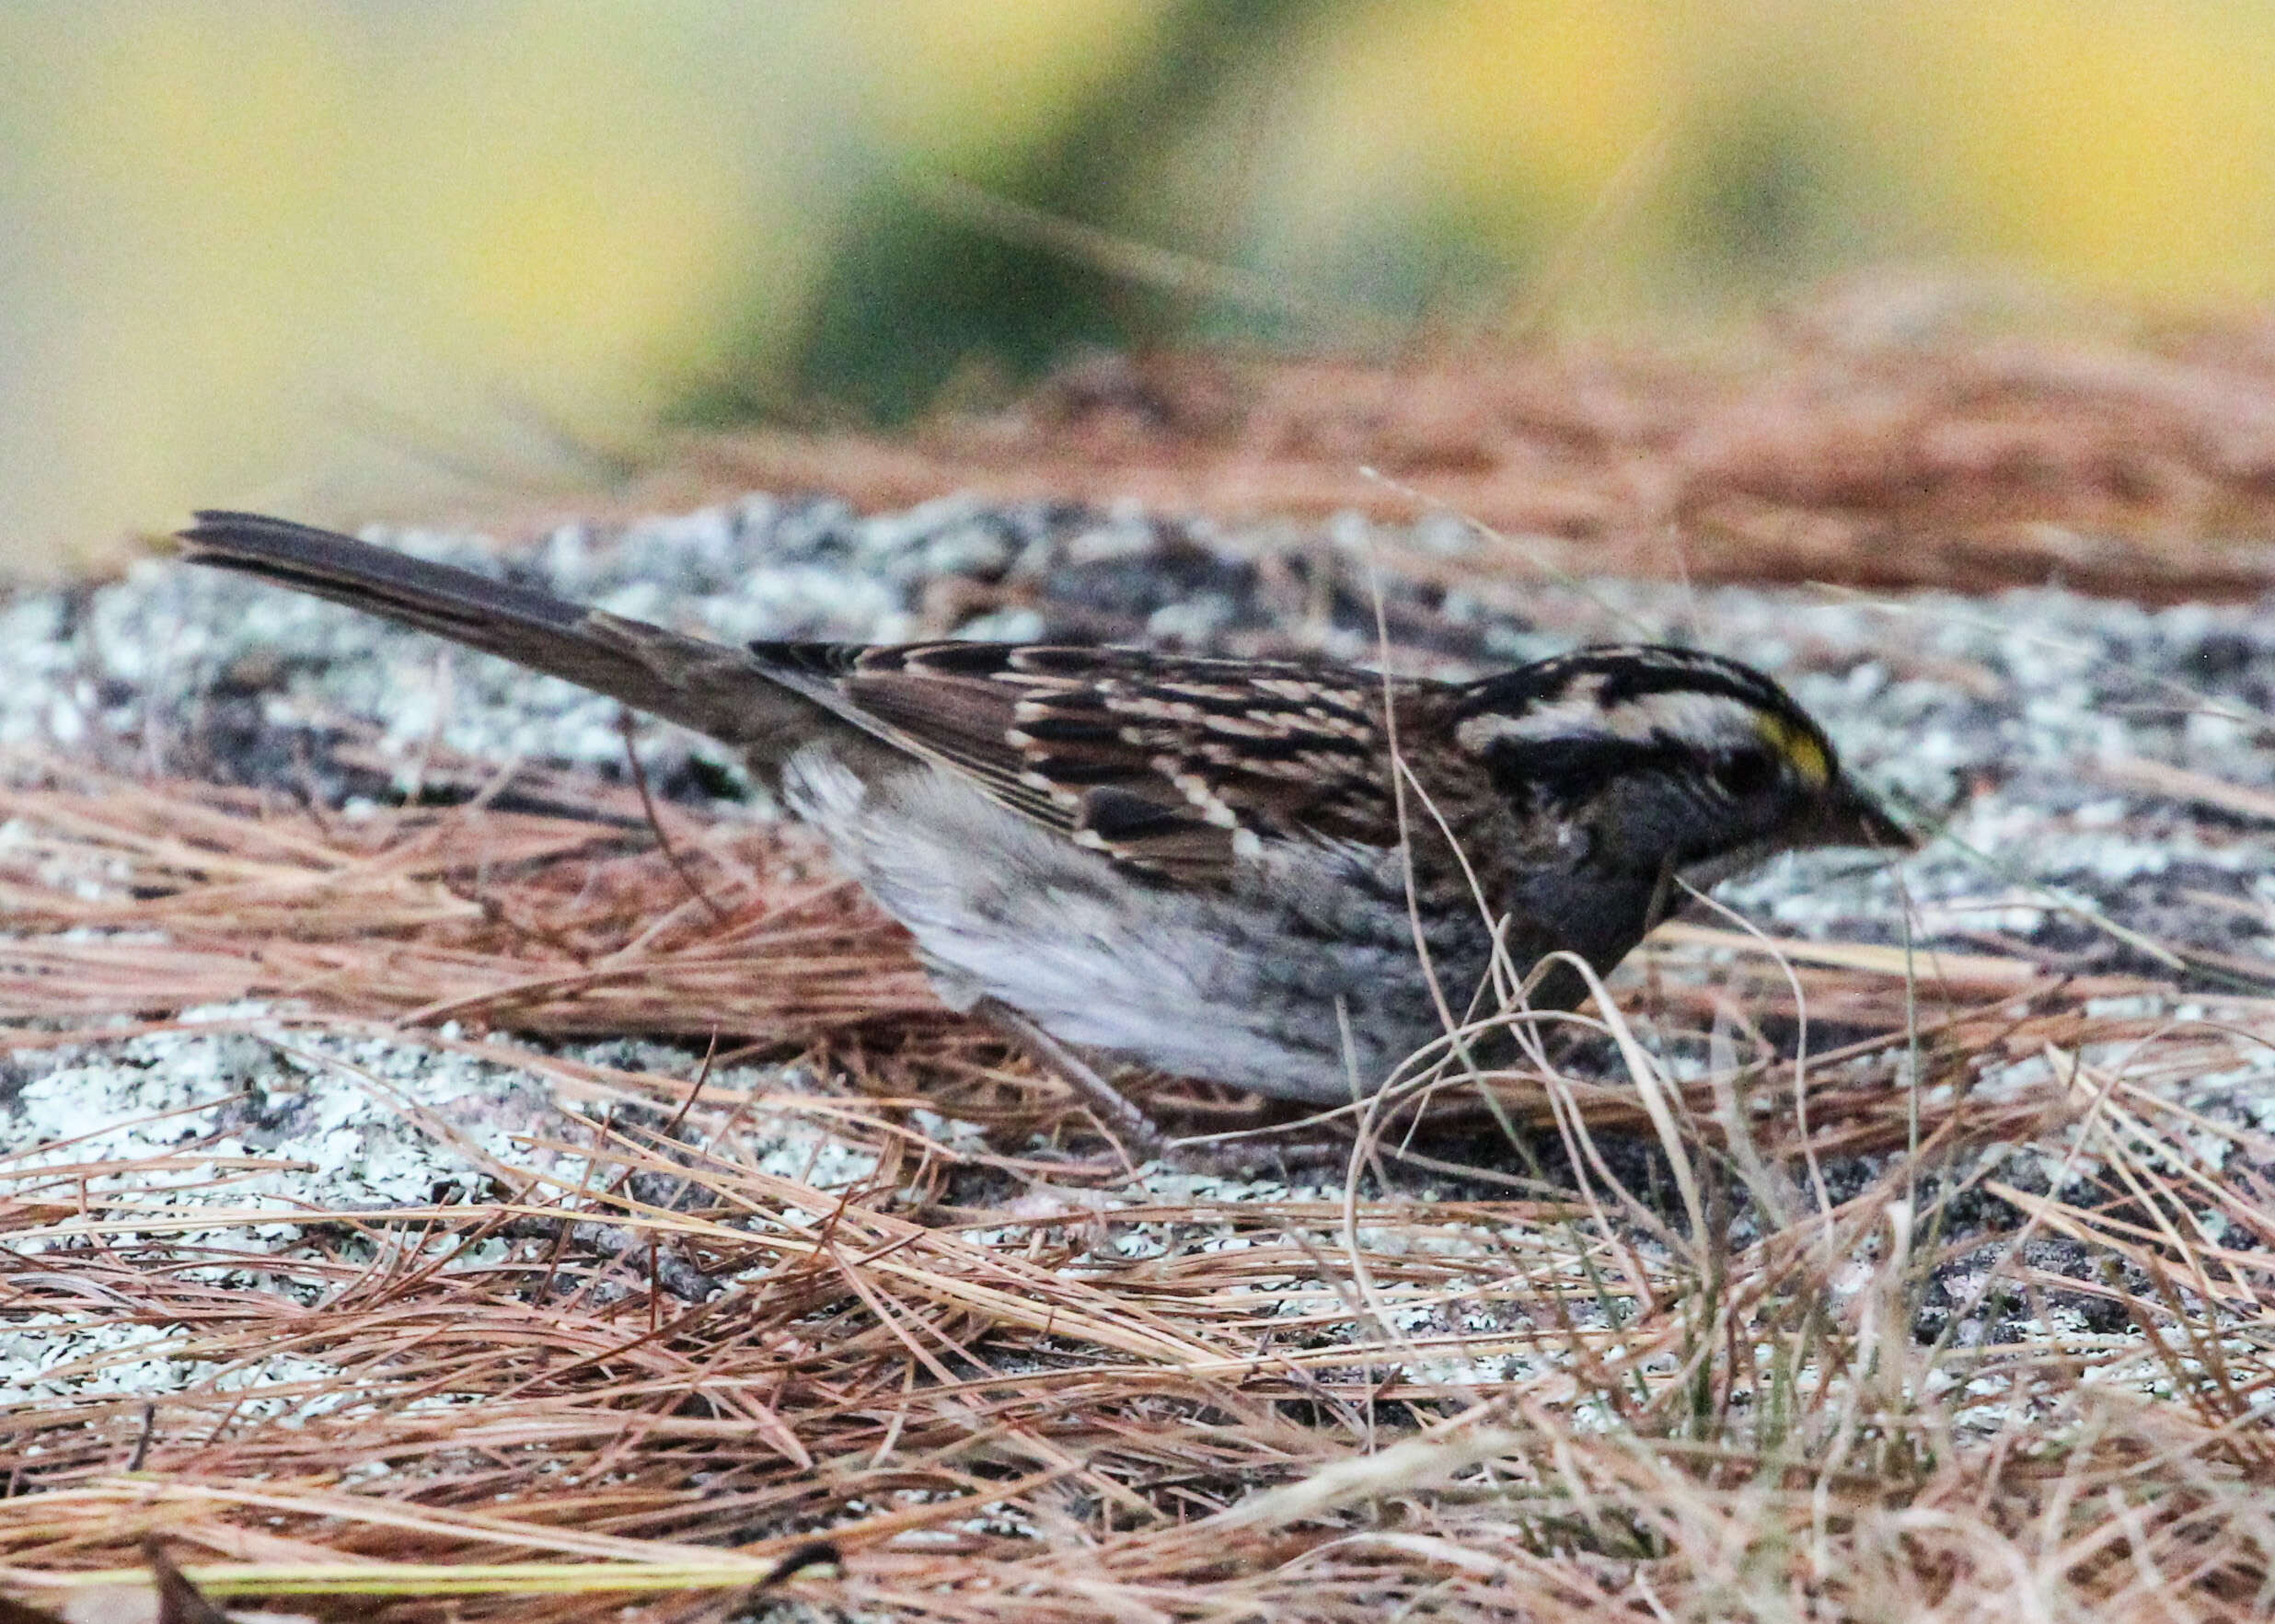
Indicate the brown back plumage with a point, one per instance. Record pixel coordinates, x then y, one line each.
1160 762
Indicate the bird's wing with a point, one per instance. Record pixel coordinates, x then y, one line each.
1171 766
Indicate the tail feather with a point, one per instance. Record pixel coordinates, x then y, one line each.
708 686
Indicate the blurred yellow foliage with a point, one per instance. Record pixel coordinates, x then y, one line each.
1522 105
323 256
2127 145
952 82
275 242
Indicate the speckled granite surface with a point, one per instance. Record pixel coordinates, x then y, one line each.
2026 718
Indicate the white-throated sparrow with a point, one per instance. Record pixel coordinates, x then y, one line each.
1210 867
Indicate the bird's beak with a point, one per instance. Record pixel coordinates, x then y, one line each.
1846 815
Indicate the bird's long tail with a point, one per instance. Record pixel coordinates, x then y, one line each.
710 687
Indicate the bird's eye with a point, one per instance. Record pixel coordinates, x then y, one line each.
1742 773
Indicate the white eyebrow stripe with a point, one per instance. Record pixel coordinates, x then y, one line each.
1707 721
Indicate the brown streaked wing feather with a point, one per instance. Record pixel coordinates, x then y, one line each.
942 715
1155 760
962 722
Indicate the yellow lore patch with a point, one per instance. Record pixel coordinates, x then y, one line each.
1804 754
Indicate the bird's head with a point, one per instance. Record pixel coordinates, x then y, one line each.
1664 760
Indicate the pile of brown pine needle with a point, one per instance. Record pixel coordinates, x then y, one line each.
1728 1366
1897 430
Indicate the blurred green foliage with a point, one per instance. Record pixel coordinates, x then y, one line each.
912 295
